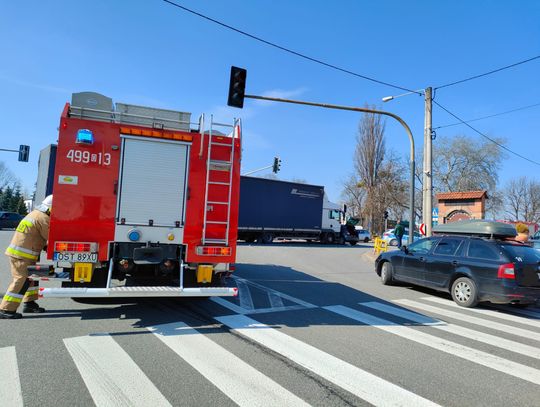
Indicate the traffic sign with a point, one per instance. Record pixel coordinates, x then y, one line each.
423 229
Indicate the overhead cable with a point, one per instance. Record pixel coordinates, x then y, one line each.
298 54
487 117
486 137
489 73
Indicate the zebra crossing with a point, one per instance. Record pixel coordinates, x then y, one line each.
113 378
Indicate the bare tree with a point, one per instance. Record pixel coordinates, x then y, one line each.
368 160
353 196
6 176
522 199
464 164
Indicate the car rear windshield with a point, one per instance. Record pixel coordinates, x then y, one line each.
522 253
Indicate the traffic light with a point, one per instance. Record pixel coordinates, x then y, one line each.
237 87
24 152
385 214
276 165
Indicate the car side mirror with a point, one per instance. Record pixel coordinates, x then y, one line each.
404 249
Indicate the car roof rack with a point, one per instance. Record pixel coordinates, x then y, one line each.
477 227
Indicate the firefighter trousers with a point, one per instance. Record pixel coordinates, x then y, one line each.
22 288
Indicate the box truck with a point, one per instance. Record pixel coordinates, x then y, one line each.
272 209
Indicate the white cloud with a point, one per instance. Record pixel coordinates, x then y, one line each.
281 94
44 87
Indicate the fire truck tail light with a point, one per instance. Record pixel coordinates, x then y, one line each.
213 251
75 247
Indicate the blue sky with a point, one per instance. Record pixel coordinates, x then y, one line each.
151 53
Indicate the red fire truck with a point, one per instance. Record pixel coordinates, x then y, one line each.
145 202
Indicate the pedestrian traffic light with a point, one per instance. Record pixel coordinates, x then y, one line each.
24 152
385 214
237 87
276 165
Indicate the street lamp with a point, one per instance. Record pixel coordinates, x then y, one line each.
373 111
427 180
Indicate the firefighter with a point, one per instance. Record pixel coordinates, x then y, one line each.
26 245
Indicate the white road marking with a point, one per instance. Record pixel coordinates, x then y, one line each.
111 376
246 303
363 384
275 300
242 383
530 312
513 346
244 295
473 320
282 295
10 386
489 312
472 355
402 313
230 305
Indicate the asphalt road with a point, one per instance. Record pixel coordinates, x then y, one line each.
312 325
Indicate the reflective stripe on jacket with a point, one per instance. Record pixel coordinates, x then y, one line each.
30 236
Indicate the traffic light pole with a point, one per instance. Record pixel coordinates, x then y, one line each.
365 110
257 170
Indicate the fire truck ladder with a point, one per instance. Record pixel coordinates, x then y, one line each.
223 165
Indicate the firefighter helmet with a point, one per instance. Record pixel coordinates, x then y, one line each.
46 205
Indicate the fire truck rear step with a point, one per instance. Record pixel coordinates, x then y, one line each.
157 291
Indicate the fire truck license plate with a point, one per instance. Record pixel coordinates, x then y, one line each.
79 257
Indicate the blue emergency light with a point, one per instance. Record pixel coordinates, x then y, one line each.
85 136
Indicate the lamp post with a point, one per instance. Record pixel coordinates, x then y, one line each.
427 180
373 111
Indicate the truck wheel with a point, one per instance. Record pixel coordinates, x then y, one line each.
464 292
387 273
266 238
329 238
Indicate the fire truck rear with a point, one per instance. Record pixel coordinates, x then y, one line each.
145 202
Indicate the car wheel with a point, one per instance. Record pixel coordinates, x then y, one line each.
464 292
353 242
366 240
393 242
387 273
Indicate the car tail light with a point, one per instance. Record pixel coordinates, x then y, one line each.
506 271
75 247
213 251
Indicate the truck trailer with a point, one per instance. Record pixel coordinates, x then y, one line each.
145 201
272 209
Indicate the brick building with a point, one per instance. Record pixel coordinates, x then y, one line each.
454 206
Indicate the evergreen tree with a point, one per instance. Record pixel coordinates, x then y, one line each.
6 199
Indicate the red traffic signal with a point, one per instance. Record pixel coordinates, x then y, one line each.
237 87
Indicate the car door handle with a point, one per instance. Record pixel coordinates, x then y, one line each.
422 259
454 263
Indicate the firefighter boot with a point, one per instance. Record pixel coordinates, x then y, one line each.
32 306
9 314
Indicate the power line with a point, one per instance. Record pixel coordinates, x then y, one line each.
318 61
483 135
490 72
487 117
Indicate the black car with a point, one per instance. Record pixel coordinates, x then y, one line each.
472 267
9 220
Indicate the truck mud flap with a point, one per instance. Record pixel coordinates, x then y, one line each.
148 255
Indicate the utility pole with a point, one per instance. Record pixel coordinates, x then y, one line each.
427 180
